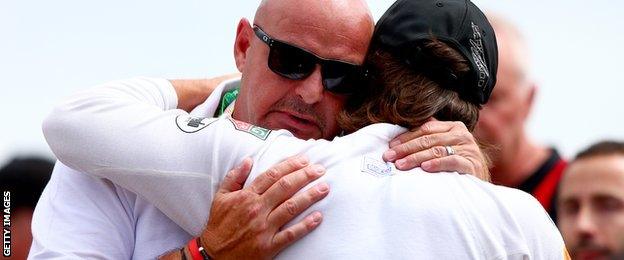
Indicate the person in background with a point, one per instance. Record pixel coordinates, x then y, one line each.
24 178
591 203
518 161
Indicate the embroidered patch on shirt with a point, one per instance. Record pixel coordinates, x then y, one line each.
227 102
376 167
259 132
191 124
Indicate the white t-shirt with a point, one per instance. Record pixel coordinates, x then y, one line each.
373 210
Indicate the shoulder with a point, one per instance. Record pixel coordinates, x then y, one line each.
538 231
520 201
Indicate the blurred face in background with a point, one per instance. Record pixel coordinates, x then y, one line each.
503 118
591 207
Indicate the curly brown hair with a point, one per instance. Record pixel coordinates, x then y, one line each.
401 94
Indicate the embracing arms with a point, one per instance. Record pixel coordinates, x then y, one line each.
124 131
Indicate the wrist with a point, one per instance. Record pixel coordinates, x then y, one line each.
211 244
184 255
197 250
191 93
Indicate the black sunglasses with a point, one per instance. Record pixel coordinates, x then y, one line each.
294 63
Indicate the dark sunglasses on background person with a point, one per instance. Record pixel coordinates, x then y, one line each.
294 63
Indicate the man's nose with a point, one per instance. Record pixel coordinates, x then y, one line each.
586 223
311 88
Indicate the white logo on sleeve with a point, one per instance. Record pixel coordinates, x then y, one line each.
191 124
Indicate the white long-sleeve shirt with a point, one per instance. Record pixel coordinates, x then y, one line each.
176 160
81 217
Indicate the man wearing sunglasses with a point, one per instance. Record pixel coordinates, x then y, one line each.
298 64
444 67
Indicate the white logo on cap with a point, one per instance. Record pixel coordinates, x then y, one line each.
476 46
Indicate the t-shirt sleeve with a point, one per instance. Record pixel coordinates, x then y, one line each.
130 133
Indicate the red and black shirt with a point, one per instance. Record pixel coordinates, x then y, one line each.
543 183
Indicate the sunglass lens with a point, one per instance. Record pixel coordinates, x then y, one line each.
291 62
339 77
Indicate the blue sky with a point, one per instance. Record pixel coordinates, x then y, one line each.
50 49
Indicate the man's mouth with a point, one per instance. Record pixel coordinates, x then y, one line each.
298 124
591 254
302 118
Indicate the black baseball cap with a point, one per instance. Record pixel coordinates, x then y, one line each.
458 23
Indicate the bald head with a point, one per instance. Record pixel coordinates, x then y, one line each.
346 25
331 29
348 12
503 119
512 48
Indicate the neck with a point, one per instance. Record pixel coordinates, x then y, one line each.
516 166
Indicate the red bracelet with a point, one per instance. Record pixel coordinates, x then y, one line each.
194 250
202 250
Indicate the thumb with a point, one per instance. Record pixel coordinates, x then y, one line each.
235 179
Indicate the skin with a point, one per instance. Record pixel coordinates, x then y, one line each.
591 207
502 121
424 147
300 106
246 222
21 238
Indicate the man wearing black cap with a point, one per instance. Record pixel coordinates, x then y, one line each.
417 71
296 79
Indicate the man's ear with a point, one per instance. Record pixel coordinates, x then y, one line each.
244 34
529 100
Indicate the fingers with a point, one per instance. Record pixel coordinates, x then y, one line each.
422 144
430 127
297 204
469 160
275 173
454 163
414 160
288 185
235 179
295 232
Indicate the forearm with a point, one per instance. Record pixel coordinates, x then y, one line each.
127 132
193 92
130 115
85 130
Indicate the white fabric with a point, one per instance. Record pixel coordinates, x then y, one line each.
81 217
372 212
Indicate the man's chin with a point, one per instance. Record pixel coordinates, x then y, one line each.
303 134
592 253
300 129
